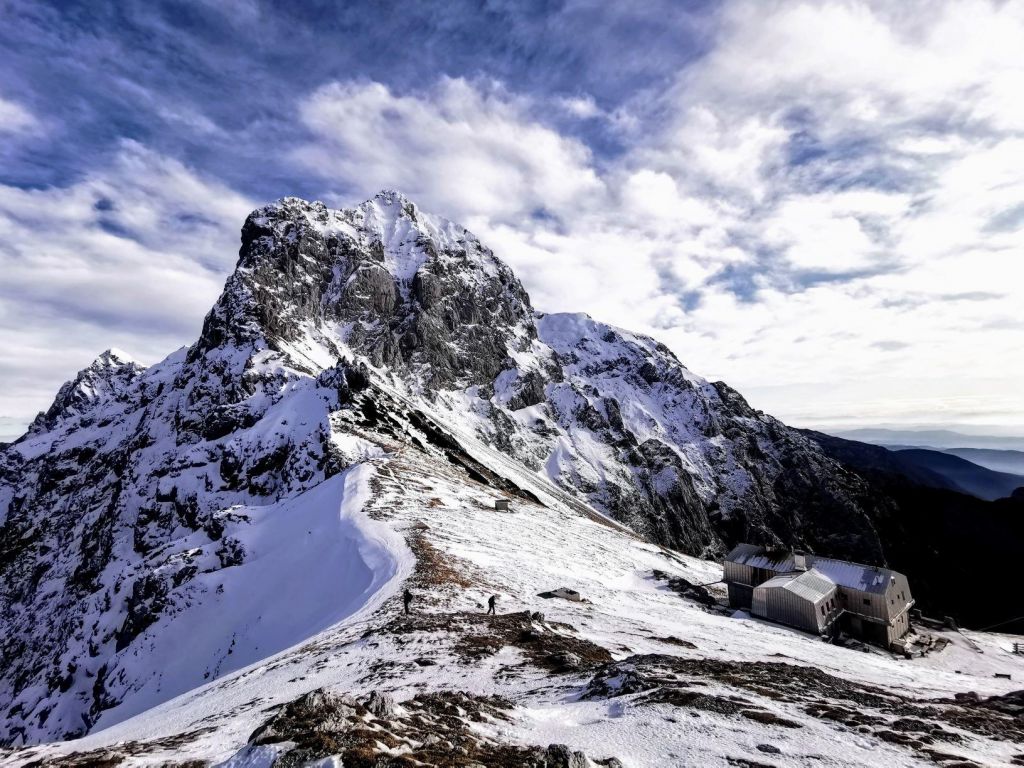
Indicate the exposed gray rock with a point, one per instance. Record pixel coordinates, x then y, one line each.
108 377
381 704
560 756
126 489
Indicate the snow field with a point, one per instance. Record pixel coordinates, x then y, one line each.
514 555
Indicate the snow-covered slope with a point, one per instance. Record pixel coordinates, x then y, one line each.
685 685
163 528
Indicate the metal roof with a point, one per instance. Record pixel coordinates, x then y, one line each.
810 585
759 557
866 578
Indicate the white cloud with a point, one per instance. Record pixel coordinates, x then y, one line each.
470 149
830 232
911 132
583 107
130 256
14 118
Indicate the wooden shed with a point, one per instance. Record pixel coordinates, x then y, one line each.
501 505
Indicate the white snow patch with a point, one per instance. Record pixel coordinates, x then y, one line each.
311 561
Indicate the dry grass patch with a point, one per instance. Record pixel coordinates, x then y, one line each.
435 568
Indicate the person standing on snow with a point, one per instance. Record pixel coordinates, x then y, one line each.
407 599
490 605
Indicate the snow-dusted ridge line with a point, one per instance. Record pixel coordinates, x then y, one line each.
314 563
506 467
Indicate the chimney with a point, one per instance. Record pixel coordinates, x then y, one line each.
800 561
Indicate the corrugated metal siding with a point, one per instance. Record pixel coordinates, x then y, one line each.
899 602
758 607
876 600
737 572
805 601
899 627
865 604
785 607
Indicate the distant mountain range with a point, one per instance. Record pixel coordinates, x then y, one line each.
990 458
963 475
930 438
986 466
999 461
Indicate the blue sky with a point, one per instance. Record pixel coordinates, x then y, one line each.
821 203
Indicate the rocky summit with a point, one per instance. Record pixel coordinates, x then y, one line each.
164 528
604 413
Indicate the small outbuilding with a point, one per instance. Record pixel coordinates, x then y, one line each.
749 565
806 600
501 505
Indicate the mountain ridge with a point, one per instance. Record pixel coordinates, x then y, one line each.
970 477
342 335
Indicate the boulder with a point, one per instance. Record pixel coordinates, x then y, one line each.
381 704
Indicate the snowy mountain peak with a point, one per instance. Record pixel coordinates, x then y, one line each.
113 357
386 282
147 504
108 377
393 197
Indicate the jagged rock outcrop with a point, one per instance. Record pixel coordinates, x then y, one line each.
108 377
135 488
605 413
403 289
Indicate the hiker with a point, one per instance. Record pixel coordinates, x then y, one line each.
407 599
490 605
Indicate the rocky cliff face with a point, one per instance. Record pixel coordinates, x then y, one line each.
411 293
108 377
136 484
608 414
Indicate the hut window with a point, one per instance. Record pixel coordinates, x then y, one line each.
866 601
823 610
